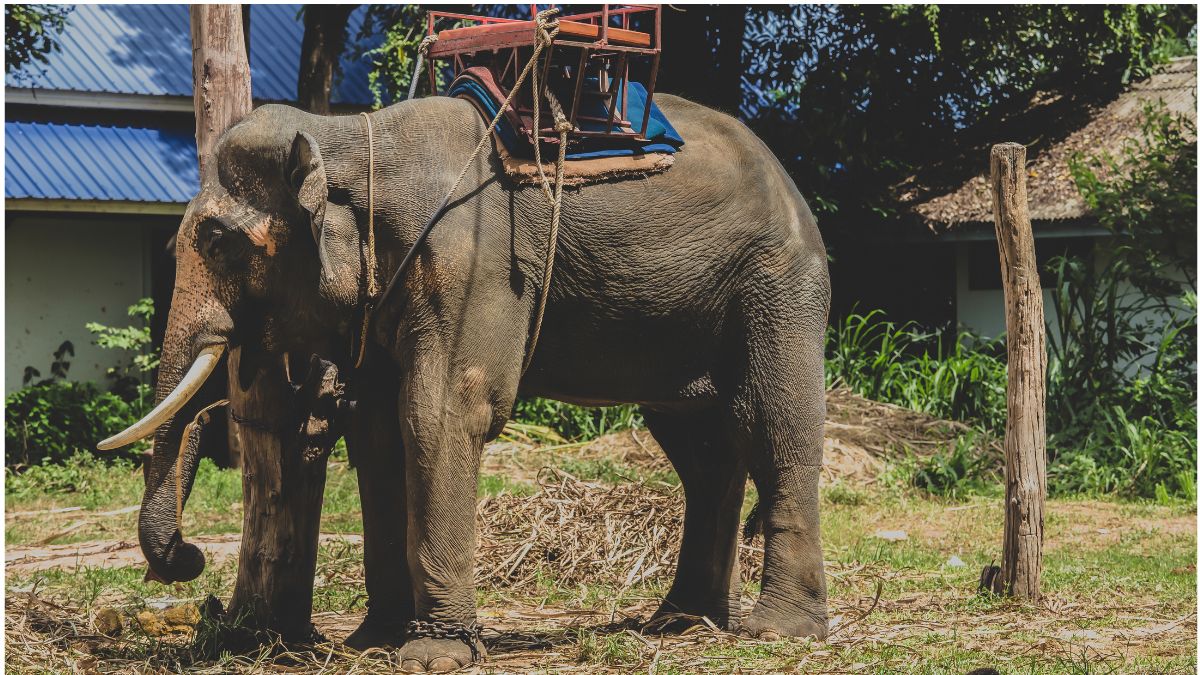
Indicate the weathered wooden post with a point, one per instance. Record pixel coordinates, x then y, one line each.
1025 432
220 76
281 487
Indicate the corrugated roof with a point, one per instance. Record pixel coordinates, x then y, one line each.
65 161
1052 191
146 49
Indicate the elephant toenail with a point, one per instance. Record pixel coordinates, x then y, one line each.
443 664
412 666
769 636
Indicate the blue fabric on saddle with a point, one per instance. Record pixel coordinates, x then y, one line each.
662 136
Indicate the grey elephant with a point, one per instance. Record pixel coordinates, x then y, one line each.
700 293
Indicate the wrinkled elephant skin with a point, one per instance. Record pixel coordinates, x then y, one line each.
700 293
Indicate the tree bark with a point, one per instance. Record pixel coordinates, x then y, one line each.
281 489
1025 431
282 492
222 96
324 38
220 77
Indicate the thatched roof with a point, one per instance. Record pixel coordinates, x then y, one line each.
1052 192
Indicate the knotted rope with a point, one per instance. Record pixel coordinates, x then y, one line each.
422 50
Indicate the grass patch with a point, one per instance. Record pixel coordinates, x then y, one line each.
1119 580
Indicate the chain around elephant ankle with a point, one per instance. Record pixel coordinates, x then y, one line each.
471 636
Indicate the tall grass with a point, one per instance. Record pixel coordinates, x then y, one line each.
904 365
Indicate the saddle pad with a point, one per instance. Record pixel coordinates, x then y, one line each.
588 160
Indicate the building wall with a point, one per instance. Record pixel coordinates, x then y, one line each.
980 307
62 271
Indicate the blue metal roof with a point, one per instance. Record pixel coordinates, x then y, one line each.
146 49
65 161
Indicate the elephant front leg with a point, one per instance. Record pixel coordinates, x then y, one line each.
446 420
375 448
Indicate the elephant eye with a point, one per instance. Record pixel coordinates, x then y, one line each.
220 244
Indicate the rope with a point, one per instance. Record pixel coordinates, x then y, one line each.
422 50
545 29
372 283
563 126
198 421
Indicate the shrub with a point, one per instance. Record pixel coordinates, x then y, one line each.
577 423
52 419
49 420
906 366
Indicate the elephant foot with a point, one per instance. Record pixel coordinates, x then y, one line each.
375 631
439 655
763 624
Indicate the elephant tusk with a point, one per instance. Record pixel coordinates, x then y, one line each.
201 368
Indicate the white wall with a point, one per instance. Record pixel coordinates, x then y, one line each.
60 273
982 311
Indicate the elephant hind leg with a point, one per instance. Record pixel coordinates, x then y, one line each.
714 483
782 407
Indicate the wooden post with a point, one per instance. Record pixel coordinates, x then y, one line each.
220 76
1025 432
221 97
281 490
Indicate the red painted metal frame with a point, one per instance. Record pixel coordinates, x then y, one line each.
506 38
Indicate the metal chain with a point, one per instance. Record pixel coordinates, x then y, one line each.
447 630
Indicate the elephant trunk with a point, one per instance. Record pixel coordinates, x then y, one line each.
197 333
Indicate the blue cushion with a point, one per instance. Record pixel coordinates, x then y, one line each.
661 136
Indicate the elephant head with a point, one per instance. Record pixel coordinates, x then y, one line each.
269 258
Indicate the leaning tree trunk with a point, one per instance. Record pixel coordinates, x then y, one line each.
281 500
324 38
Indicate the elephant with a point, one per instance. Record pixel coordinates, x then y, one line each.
700 293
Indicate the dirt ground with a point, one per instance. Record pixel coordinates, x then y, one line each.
570 565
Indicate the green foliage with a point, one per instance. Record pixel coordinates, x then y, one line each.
577 423
1122 367
127 379
52 419
963 468
403 28
859 93
79 473
903 365
31 33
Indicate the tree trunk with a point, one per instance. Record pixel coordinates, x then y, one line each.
324 38
282 493
220 76
1025 432
221 86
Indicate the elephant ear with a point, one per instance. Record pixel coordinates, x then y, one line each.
333 226
306 177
